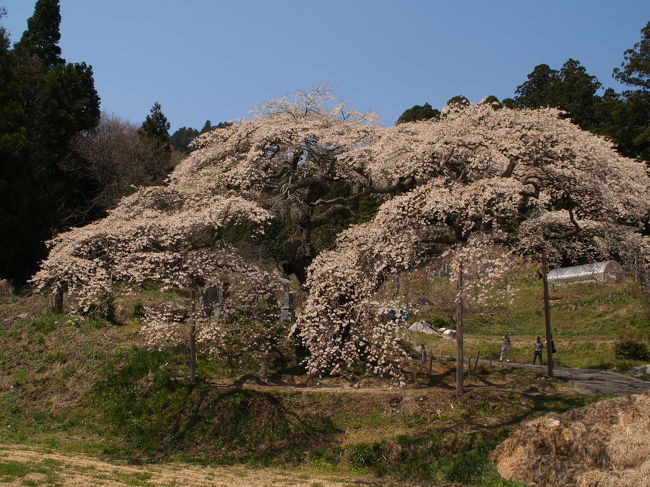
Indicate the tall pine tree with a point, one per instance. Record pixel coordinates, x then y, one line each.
56 100
16 181
157 126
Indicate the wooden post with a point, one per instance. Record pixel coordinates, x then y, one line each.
192 337
423 352
430 363
58 300
478 354
459 336
547 319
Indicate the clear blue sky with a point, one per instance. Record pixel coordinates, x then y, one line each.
217 59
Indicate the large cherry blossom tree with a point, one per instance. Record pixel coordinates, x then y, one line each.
288 158
481 178
524 181
168 236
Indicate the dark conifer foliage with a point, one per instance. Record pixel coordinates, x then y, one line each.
42 35
571 89
417 112
635 69
45 102
181 139
157 126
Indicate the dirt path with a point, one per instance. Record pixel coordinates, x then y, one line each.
24 465
587 381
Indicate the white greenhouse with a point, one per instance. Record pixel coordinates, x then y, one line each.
601 272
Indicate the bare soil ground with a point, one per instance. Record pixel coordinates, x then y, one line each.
26 465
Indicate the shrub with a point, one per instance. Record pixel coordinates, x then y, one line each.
364 455
631 350
138 310
5 288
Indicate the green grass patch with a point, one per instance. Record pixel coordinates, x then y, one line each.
48 323
430 457
13 469
137 479
154 414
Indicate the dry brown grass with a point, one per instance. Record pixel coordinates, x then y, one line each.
603 444
75 470
34 305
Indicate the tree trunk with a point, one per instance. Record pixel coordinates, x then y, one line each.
459 337
58 300
192 337
547 320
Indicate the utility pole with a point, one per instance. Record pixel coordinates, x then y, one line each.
547 319
459 336
192 337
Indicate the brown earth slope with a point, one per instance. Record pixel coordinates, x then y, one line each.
604 444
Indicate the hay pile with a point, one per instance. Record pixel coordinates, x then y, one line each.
604 444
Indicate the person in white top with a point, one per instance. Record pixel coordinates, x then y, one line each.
505 348
539 347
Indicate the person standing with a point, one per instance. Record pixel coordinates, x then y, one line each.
505 348
539 347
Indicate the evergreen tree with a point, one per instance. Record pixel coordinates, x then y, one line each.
458 100
417 112
45 102
577 93
492 100
180 140
636 65
16 182
626 117
571 89
42 35
157 126
541 88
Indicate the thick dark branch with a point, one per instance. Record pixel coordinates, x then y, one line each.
308 182
327 215
564 235
510 169
535 182
573 220
402 185
440 235
341 199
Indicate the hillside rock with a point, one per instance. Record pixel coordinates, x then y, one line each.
604 444
642 370
423 327
9 321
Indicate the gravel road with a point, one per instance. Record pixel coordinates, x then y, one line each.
587 381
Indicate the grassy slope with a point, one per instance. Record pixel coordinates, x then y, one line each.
587 320
84 385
